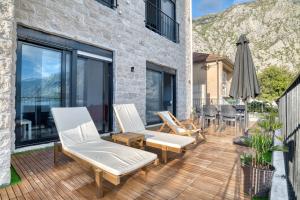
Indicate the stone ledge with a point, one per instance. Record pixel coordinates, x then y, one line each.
279 189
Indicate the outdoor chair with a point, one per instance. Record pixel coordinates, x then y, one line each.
81 141
228 114
210 113
187 128
130 122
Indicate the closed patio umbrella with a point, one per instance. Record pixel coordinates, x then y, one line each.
244 83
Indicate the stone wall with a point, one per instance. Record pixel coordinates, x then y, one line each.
123 31
7 86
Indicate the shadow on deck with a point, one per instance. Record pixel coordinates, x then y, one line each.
210 170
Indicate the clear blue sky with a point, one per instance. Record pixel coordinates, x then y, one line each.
205 7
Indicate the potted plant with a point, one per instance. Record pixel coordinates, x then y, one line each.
257 167
246 161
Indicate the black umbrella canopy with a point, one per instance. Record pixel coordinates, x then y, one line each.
244 83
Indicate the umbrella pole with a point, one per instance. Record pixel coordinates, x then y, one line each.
246 116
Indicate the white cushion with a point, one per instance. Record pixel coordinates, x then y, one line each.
128 118
130 121
171 140
75 126
78 135
111 157
166 117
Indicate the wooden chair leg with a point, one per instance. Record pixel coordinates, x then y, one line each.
197 137
164 154
156 162
99 183
144 171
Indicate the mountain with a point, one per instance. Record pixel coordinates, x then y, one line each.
272 26
47 87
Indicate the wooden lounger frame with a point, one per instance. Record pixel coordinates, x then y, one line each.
183 125
99 173
163 148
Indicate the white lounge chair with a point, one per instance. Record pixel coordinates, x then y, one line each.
130 122
80 140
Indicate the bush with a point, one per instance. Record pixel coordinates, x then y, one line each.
274 81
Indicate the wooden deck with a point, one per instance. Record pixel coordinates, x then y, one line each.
208 171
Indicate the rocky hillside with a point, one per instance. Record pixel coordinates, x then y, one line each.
272 26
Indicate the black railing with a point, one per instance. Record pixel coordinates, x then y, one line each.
289 115
109 3
161 23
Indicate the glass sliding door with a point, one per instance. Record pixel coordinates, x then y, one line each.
39 87
168 88
160 93
57 72
153 95
93 91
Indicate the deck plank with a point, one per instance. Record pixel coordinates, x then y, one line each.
210 170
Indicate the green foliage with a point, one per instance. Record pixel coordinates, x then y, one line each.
262 140
246 159
274 81
14 178
270 123
261 107
260 198
262 143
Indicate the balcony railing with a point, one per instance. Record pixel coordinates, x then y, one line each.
161 23
109 3
289 115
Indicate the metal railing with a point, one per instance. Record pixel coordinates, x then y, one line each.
161 23
253 107
289 115
109 3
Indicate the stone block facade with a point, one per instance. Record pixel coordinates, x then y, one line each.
121 30
7 86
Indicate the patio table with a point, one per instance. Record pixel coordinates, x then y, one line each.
129 139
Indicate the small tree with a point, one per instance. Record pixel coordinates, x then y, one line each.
274 81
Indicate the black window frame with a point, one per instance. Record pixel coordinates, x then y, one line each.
164 69
33 37
159 13
109 3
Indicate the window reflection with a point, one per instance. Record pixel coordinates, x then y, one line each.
92 90
40 89
159 94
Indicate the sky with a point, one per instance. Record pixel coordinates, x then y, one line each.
205 7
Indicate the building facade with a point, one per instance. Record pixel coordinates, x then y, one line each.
212 75
93 53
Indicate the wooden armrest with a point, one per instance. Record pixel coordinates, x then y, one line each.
187 123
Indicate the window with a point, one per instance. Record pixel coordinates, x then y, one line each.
161 18
160 91
57 72
92 89
224 83
109 3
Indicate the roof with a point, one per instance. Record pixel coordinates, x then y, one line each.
204 57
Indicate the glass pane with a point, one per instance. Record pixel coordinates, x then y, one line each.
153 95
93 90
68 79
168 19
40 89
168 92
168 7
